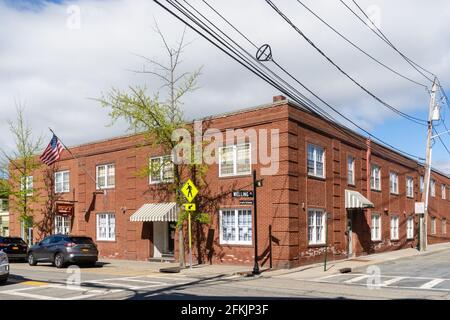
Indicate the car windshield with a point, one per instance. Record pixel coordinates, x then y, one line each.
12 240
81 240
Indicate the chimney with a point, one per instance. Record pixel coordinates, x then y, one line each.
279 98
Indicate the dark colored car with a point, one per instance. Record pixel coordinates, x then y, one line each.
14 247
62 250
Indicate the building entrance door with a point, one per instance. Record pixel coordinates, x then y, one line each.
350 250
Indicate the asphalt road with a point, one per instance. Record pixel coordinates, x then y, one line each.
419 277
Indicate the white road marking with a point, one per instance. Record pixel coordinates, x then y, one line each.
356 279
431 284
394 280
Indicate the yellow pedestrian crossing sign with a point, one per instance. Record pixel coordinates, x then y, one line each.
189 206
189 190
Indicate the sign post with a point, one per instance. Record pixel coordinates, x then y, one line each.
190 192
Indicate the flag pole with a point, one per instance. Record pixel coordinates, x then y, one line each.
73 156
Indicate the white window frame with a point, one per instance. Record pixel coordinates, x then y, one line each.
235 160
444 226
393 182
162 168
410 187
374 179
63 226
314 148
27 185
375 229
394 227
443 191
110 232
61 184
107 167
237 227
433 225
315 229
410 228
432 187
351 170
421 184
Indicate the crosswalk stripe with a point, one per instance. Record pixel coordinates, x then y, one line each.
389 282
357 279
431 284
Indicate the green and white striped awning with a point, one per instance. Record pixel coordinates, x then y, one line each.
355 200
166 211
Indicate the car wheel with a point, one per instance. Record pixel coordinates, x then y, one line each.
31 260
59 261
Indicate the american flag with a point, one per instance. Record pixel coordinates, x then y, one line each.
53 151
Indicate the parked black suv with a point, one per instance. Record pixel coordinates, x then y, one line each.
62 250
14 247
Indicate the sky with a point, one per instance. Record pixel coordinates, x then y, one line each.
57 57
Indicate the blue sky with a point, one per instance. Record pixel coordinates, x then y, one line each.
54 70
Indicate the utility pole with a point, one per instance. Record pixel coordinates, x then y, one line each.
432 116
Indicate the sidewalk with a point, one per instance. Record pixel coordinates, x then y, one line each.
333 267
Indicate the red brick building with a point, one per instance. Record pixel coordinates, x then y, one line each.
328 177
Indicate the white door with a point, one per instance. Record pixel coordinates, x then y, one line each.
160 244
350 233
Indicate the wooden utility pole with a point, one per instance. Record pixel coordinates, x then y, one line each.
426 184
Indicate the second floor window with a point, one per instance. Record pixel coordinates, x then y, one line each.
410 187
3 205
375 177
235 160
62 181
316 160
27 185
351 170
433 188
161 169
106 176
393 178
443 191
421 184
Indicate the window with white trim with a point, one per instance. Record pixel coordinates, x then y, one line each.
410 187
394 227
393 179
444 226
433 187
316 226
410 228
316 161
433 225
27 185
106 226
106 175
62 181
351 170
375 227
236 226
161 169
62 224
235 160
422 184
443 191
375 177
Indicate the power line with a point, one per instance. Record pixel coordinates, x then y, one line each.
395 110
232 54
359 48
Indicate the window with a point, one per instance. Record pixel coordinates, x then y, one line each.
3 205
316 226
410 187
394 228
106 176
234 160
316 158
444 226
161 169
433 187
421 184
106 226
62 181
236 226
393 178
443 191
62 224
410 228
351 170
376 227
27 185
433 225
375 177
